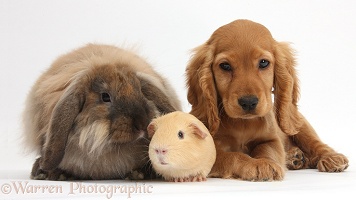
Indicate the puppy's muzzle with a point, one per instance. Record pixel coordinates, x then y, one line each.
248 103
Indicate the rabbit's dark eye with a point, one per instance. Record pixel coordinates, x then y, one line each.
263 63
180 135
225 66
105 97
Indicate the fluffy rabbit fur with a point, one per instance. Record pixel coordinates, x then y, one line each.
87 114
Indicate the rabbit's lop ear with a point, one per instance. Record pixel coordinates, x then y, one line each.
198 130
61 122
153 91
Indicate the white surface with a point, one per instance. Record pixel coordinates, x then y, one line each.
33 33
302 184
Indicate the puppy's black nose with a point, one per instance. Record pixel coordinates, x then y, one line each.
248 103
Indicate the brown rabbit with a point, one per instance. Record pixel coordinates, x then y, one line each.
87 114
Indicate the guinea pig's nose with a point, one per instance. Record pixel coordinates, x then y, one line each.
161 151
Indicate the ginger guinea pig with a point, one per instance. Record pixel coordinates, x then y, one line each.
181 148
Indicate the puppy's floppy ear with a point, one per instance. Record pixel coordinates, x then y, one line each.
61 122
201 87
286 90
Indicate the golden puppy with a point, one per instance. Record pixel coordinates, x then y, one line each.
242 84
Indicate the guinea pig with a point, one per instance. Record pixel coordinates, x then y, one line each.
181 147
87 115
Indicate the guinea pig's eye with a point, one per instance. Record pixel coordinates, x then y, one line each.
263 63
225 66
180 135
105 97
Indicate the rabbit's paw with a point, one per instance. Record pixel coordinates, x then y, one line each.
135 175
37 173
54 175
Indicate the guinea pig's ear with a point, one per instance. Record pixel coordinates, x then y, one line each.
66 110
151 129
197 130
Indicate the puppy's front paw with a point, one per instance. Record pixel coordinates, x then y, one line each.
295 159
334 162
262 170
221 173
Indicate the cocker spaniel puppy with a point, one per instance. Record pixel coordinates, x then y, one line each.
242 84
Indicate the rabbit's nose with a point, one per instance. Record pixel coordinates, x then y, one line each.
161 151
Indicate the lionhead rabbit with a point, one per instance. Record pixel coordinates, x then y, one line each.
87 114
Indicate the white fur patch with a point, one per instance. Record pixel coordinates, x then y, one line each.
93 136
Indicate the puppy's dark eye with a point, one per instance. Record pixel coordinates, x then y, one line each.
225 66
180 135
263 64
105 97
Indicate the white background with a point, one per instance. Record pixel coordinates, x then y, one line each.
33 33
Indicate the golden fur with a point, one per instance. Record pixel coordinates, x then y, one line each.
181 159
243 85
